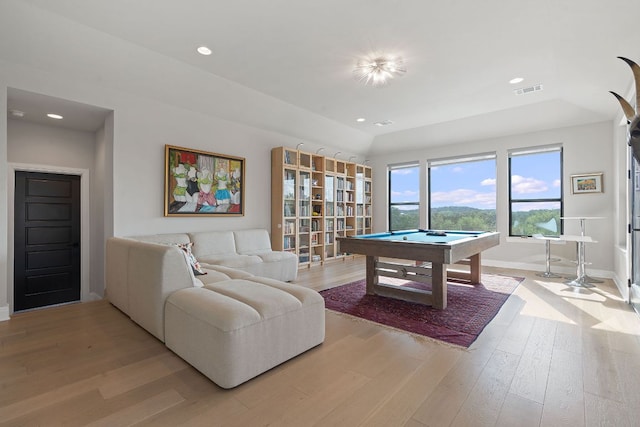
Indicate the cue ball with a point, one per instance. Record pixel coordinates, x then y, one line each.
404 237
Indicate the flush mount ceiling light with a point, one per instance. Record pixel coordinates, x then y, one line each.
55 116
378 70
516 80
203 50
361 120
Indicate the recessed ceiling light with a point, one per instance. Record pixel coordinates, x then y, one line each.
384 123
361 119
55 116
516 80
203 50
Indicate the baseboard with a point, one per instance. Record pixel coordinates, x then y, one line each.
623 288
558 269
4 313
93 297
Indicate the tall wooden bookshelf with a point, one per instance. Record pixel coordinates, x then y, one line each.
315 199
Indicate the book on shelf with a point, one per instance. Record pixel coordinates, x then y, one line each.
329 225
289 228
289 208
289 242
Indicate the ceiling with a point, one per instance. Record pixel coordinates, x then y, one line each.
459 55
34 107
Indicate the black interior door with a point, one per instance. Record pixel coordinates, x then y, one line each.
46 239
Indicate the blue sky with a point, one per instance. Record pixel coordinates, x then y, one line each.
474 183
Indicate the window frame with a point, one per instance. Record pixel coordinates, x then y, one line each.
390 204
530 151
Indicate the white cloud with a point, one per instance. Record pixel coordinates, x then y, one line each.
404 171
457 169
522 185
407 194
488 181
464 197
556 183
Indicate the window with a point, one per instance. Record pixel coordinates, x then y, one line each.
462 193
535 191
404 197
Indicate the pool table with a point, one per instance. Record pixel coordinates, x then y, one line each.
437 247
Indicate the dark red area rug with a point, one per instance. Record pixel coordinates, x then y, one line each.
469 308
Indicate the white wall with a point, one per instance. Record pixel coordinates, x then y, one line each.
156 101
585 149
48 145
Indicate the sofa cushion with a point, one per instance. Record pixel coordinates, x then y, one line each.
267 301
276 256
300 292
165 239
211 243
231 260
212 276
233 273
252 241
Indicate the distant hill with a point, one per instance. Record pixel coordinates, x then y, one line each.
525 223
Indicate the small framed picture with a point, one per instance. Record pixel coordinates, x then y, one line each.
586 183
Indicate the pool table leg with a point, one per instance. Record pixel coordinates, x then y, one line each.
372 276
439 285
475 269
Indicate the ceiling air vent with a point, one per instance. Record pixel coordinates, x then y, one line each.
528 90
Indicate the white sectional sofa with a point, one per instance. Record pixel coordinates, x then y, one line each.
246 250
238 320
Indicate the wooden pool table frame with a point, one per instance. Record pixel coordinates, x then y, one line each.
438 254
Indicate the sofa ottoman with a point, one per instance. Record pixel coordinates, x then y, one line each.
234 330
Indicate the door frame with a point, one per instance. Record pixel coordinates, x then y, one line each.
632 250
85 250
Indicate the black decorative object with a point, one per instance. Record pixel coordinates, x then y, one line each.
633 116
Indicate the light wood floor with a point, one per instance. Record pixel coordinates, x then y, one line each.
553 356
